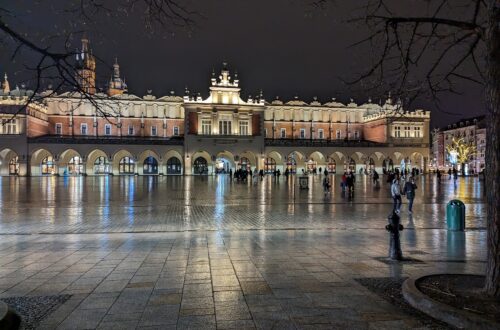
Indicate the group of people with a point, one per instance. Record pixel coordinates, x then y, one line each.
242 174
408 190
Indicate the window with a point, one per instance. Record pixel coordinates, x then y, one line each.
14 166
407 131
83 129
321 135
302 133
59 129
154 131
176 130
338 134
102 166
130 130
9 126
283 133
75 165
416 132
126 166
107 129
48 166
356 135
397 131
206 127
224 127
244 127
174 166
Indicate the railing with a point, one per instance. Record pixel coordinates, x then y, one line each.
339 143
176 140
320 143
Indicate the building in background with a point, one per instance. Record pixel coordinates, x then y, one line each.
472 131
124 134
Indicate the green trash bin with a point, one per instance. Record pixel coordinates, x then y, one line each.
455 215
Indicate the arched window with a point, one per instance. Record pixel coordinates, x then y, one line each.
332 165
75 165
150 165
48 166
174 166
102 166
244 163
14 166
350 166
200 166
126 166
388 165
269 165
291 164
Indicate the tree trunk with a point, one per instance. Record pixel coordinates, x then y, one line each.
492 284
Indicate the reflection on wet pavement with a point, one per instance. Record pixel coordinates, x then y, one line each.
143 204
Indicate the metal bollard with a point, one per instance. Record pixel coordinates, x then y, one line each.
394 227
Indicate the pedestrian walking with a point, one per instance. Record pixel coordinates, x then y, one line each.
325 172
449 173
396 195
409 191
455 175
438 174
343 181
375 178
326 185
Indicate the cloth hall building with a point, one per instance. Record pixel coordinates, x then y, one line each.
124 134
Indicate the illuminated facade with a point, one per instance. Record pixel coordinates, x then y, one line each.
174 135
472 131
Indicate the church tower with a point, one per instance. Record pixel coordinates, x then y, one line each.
85 74
116 85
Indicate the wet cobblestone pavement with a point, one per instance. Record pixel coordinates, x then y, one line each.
205 253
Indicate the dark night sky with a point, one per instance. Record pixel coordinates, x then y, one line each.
279 46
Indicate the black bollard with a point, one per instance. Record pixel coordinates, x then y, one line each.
394 227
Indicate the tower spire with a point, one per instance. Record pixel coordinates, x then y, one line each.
117 85
6 85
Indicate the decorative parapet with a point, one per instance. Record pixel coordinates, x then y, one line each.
107 140
12 104
417 114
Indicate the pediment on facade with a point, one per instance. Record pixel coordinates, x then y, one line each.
296 102
334 104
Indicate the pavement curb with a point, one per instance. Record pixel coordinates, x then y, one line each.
9 320
453 316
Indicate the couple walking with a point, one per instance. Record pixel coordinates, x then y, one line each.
408 190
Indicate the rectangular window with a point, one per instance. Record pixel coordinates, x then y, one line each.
283 133
397 131
107 129
9 126
321 134
416 131
206 127
225 127
83 129
302 133
244 127
407 131
59 129
176 130
130 130
338 134
356 135
154 131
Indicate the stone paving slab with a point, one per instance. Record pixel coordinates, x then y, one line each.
299 279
